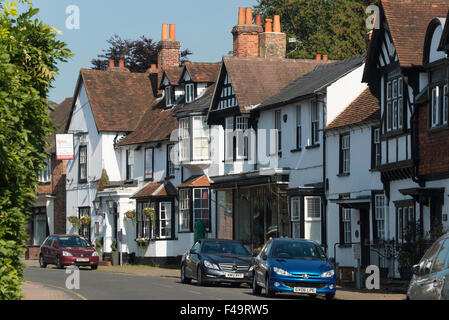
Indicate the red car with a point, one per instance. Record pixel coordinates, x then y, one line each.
66 250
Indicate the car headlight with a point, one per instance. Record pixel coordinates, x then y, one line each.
95 254
251 268
210 265
66 254
281 272
328 274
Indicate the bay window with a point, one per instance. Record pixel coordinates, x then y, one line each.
165 218
200 136
170 163
143 226
184 139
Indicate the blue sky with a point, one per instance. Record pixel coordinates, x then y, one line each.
203 26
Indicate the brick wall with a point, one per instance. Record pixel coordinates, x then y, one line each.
169 53
272 45
433 146
246 40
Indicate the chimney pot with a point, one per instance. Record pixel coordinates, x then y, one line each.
241 16
164 32
277 23
325 57
121 63
173 32
318 57
249 16
268 26
258 20
111 63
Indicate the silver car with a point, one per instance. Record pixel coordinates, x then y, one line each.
431 276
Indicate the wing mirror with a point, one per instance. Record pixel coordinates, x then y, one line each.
264 257
416 269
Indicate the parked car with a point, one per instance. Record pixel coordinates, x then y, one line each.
216 260
66 249
294 265
430 279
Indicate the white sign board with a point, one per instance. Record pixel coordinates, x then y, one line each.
64 147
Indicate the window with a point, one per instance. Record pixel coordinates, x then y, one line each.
227 97
376 149
229 139
439 106
296 218
346 225
429 257
39 227
144 229
345 147
442 259
190 92
406 223
148 165
312 219
45 175
170 164
298 127
82 164
201 206
165 220
129 164
277 126
84 228
379 217
315 121
184 210
184 139
168 96
394 105
200 136
241 126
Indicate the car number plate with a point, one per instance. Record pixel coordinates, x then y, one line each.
234 275
304 290
82 260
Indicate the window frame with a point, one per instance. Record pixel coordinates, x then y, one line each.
380 233
189 92
144 228
241 128
394 105
376 149
145 164
194 208
345 153
84 229
205 128
401 228
315 123
82 164
168 220
438 106
170 165
168 92
298 127
184 207
129 174
45 175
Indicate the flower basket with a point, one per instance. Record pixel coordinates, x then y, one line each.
142 242
85 220
130 214
74 221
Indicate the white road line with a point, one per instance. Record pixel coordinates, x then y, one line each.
195 292
163 285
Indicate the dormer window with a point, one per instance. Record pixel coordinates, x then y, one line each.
190 92
168 96
227 97
394 105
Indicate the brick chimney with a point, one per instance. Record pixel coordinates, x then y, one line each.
168 48
273 42
246 35
121 66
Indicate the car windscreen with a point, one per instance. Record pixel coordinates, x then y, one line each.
73 242
221 247
297 250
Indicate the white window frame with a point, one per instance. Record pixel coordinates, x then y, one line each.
241 127
184 210
184 139
190 92
45 175
229 139
195 208
298 127
168 96
347 225
200 135
309 220
148 171
394 105
315 122
380 215
346 153
278 128
167 219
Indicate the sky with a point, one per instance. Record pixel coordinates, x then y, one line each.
202 26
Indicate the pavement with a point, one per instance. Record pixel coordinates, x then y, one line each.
37 291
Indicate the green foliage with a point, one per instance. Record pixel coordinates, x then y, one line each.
336 28
114 245
29 53
98 246
104 180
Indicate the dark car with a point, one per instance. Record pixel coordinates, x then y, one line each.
66 250
296 266
215 260
430 279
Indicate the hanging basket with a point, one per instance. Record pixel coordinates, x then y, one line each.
85 220
130 214
142 242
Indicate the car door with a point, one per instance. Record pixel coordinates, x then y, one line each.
44 249
441 272
426 282
192 259
261 267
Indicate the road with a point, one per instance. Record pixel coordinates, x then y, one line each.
96 285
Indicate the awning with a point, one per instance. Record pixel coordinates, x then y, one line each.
252 178
195 182
156 190
422 195
356 203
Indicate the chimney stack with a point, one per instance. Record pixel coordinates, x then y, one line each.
273 42
246 35
168 48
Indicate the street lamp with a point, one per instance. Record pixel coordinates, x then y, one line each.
110 204
97 204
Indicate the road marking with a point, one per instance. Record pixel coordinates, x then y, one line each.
63 289
195 292
163 285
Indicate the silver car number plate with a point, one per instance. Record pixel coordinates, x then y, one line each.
304 290
234 275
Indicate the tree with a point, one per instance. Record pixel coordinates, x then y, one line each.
138 54
29 53
336 28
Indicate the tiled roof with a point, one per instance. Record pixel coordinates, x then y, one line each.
312 82
59 118
195 181
118 98
173 75
158 189
203 72
200 105
156 125
364 108
256 79
408 21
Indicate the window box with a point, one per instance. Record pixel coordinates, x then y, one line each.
313 146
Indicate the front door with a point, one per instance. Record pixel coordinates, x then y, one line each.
364 237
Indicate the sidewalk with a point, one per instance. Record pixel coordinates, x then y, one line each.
343 293
37 291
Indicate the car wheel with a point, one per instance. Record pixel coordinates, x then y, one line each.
268 292
184 279
330 296
42 262
199 277
58 263
256 288
94 267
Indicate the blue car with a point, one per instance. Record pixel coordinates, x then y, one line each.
295 266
